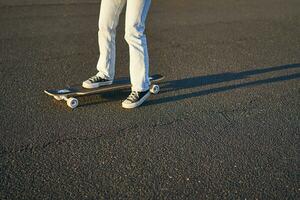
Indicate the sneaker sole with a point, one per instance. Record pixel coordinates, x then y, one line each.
95 85
136 104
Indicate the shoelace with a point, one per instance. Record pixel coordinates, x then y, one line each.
133 96
95 78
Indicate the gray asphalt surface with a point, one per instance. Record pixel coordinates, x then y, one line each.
225 125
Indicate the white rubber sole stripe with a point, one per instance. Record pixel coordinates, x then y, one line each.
96 85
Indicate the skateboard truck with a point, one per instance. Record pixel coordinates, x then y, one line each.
71 101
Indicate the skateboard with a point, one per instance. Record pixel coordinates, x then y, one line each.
69 94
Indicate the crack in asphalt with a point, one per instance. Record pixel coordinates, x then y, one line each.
31 147
187 119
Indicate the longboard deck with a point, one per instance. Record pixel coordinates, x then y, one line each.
78 90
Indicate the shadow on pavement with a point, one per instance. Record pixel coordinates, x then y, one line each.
107 97
194 82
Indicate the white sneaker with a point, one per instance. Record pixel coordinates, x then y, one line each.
96 81
135 99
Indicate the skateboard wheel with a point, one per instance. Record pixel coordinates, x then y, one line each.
58 98
72 102
154 89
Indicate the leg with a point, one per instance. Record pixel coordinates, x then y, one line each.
136 14
108 21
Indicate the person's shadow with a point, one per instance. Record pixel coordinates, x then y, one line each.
199 81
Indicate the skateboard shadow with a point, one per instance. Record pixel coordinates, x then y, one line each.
105 97
194 82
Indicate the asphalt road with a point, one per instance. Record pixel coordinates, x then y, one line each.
225 125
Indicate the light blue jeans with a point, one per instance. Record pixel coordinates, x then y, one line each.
136 13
